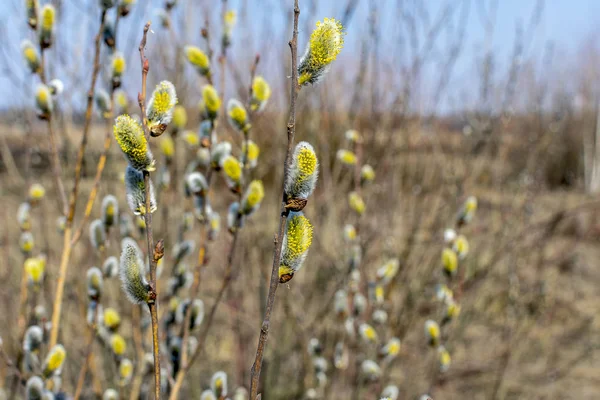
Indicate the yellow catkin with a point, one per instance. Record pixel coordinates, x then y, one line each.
48 14
232 168
30 54
112 319
118 65
307 161
34 268
36 191
326 41
346 157
261 89
197 57
299 236
179 117
239 115
56 358
251 149
356 203
230 18
118 344
167 146
211 99
256 193
449 260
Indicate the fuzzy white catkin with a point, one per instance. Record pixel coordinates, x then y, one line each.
136 193
132 271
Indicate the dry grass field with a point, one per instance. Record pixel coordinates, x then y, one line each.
527 291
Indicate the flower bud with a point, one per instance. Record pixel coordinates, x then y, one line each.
94 282
326 42
261 92
218 384
346 157
303 173
26 242
253 197
296 242
198 59
31 55
132 270
160 107
54 360
130 136
136 192
110 210
237 116
43 101
432 332
97 234
48 16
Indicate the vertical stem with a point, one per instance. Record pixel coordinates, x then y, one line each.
67 246
88 355
291 129
154 253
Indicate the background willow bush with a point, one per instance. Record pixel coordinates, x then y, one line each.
452 248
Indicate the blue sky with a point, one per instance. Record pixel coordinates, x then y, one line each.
566 23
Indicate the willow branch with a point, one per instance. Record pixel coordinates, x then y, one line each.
291 129
155 253
67 247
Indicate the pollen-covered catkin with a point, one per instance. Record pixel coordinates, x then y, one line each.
232 169
130 137
253 197
198 59
432 332
30 55
250 153
261 92
48 17
159 111
303 174
54 360
211 103
26 242
179 117
296 242
43 101
132 271
125 371
34 268
325 43
449 261
117 68
237 116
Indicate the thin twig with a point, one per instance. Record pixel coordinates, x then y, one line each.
291 129
56 169
88 355
101 161
154 253
67 246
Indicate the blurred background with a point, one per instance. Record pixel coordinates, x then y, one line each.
494 99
